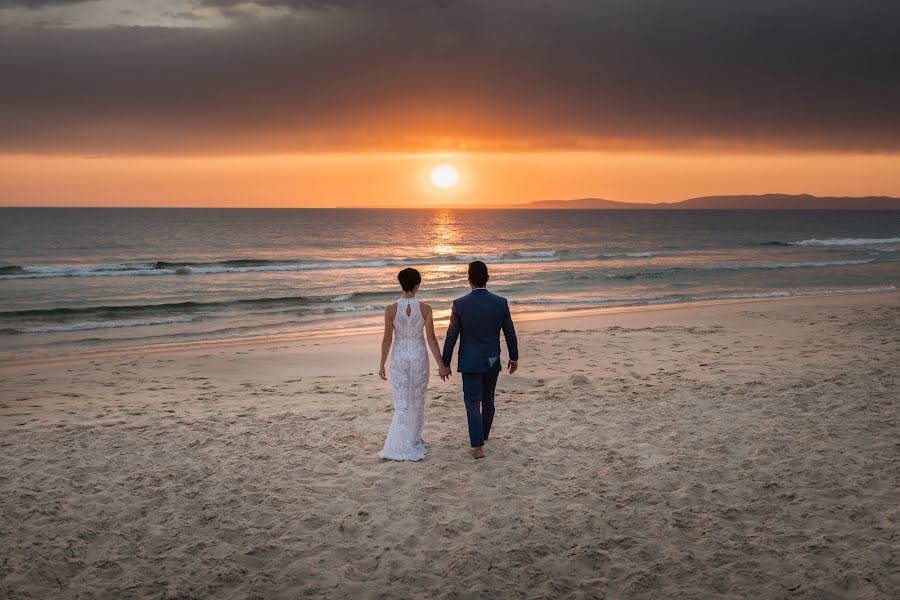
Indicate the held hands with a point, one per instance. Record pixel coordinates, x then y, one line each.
443 370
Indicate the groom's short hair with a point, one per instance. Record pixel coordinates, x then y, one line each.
478 273
409 278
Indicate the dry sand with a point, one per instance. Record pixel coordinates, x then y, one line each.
745 450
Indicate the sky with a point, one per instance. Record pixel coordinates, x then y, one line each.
353 102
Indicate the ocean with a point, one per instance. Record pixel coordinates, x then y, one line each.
95 278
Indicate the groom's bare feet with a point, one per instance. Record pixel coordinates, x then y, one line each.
478 452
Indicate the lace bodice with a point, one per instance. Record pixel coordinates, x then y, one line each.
408 327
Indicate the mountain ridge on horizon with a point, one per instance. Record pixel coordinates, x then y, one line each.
737 201
720 202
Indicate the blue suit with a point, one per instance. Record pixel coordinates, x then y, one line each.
477 320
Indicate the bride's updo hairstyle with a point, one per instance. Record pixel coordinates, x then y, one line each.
409 278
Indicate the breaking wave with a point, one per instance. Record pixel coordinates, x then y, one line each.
840 242
739 267
192 307
627 255
252 266
89 325
666 299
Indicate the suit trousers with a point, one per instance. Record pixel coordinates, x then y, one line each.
478 393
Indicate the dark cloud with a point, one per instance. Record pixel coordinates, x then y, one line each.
35 4
290 4
227 4
395 74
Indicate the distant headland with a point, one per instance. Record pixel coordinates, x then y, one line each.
741 202
730 202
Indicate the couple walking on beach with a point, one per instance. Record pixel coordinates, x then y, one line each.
476 320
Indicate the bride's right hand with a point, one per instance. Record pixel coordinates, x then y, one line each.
382 374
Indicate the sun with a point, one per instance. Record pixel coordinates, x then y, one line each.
444 176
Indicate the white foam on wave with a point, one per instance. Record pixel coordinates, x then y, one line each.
845 242
533 259
466 258
360 308
792 294
740 267
86 271
141 269
674 299
88 325
215 269
596 300
148 269
627 255
796 265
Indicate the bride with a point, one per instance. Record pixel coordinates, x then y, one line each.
404 321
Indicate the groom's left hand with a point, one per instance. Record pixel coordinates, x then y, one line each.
513 365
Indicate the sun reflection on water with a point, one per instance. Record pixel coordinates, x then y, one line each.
444 233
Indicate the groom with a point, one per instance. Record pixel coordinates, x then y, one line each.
477 319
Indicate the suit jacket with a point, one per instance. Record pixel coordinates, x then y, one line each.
477 320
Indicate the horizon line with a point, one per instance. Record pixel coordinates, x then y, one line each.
558 204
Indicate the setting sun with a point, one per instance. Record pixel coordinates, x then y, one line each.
444 176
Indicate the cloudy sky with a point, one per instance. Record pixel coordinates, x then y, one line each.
318 102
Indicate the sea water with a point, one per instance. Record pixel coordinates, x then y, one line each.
92 278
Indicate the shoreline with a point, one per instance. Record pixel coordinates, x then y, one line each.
532 317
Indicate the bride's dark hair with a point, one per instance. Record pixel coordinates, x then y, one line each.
409 278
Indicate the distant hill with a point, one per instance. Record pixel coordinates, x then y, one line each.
747 202
587 203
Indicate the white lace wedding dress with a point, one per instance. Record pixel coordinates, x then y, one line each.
409 380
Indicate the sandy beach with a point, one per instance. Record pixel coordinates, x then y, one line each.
738 450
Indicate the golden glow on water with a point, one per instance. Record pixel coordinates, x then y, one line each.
443 233
444 239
